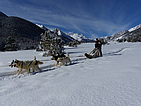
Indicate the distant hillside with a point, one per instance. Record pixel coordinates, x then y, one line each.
26 34
131 35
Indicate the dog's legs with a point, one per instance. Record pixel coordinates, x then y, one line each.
57 63
28 70
70 61
39 68
33 69
66 64
61 64
19 71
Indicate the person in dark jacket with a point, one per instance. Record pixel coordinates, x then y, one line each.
98 45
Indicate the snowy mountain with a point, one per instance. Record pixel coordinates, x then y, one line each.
42 27
135 28
63 36
68 37
117 36
79 37
131 35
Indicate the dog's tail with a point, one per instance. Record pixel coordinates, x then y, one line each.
37 62
34 57
67 54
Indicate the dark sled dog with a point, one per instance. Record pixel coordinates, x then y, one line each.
34 64
56 58
64 60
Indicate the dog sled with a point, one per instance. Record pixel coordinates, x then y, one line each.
93 54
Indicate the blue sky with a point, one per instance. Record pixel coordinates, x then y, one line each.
93 18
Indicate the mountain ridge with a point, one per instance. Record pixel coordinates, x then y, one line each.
70 35
79 37
26 33
131 35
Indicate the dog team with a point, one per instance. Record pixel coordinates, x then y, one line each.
34 64
62 59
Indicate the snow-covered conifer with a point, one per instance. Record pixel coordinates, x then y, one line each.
11 43
51 43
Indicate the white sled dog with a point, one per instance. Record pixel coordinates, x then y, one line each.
64 60
34 64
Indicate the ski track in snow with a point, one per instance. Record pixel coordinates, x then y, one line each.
103 81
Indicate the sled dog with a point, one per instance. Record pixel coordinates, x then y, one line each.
64 60
34 64
56 58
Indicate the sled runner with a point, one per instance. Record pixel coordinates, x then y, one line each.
88 55
93 54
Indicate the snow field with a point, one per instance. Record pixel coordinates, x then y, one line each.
111 80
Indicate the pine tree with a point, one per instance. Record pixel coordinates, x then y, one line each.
11 44
52 45
46 42
57 45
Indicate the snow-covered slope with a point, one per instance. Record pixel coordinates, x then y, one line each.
111 80
117 36
79 37
135 28
64 36
42 26
131 35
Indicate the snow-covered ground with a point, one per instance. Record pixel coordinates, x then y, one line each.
111 80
